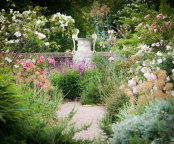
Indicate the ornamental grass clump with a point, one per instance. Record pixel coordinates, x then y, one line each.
89 86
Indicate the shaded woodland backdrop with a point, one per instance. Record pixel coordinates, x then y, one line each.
76 8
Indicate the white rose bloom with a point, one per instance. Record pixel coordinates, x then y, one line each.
160 61
40 35
17 34
47 44
157 68
159 53
11 41
16 66
38 22
33 60
8 59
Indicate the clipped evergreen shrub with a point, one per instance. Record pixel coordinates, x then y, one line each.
68 82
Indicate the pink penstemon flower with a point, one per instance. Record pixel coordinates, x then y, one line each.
40 61
17 60
153 25
159 16
20 56
52 61
40 84
42 72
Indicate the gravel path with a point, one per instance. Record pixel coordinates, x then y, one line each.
84 115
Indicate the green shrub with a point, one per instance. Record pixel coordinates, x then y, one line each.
12 110
106 125
60 132
68 82
155 123
115 102
89 87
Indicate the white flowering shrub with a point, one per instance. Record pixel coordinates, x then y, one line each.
30 31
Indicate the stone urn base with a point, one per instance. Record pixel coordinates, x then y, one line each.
83 50
83 56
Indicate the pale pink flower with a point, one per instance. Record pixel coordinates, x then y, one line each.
168 47
41 57
149 76
167 78
103 46
133 18
150 28
110 31
140 24
131 83
172 93
159 16
20 56
157 44
111 59
135 91
147 16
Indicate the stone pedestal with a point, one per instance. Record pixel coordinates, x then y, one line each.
84 48
84 51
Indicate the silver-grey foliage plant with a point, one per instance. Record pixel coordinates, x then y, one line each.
155 123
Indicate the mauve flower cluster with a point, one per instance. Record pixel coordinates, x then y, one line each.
68 64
